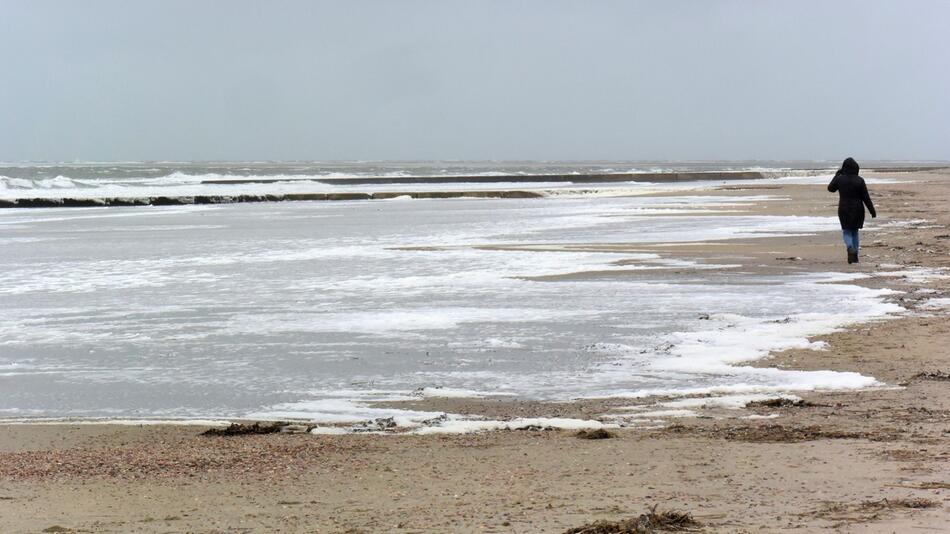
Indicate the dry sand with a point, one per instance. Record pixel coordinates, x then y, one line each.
871 461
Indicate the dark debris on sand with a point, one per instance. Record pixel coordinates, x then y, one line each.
783 402
933 485
600 433
941 376
242 429
648 523
772 433
896 504
871 510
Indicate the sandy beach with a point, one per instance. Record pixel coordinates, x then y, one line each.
868 461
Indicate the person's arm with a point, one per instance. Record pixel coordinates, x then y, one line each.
866 198
833 186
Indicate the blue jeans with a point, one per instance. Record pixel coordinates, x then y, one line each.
851 239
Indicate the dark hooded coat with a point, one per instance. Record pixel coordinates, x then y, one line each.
852 196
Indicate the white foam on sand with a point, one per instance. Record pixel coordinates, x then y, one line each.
736 339
729 402
916 275
727 341
339 416
826 381
653 414
329 430
464 426
341 410
936 304
687 407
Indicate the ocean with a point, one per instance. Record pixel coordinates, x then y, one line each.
313 310
169 179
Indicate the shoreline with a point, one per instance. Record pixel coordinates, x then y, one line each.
822 463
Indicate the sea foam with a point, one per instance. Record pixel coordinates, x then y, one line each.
320 311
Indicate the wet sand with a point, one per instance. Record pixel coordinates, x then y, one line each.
870 461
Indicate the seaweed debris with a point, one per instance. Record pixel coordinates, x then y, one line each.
648 523
243 429
773 433
941 376
783 402
870 510
894 504
599 433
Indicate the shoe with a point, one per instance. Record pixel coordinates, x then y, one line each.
852 256
856 256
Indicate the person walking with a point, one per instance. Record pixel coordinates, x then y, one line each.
852 198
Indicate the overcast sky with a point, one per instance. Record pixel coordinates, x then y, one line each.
501 80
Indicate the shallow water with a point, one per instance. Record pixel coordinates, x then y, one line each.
306 309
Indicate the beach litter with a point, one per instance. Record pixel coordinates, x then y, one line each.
869 510
932 375
242 429
598 433
648 523
380 424
783 402
773 433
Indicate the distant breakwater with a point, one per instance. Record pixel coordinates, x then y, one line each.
234 199
174 200
594 178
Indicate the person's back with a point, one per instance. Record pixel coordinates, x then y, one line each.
852 198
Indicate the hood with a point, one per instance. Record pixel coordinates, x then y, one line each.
849 166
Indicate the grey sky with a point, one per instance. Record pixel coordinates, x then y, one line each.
441 79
